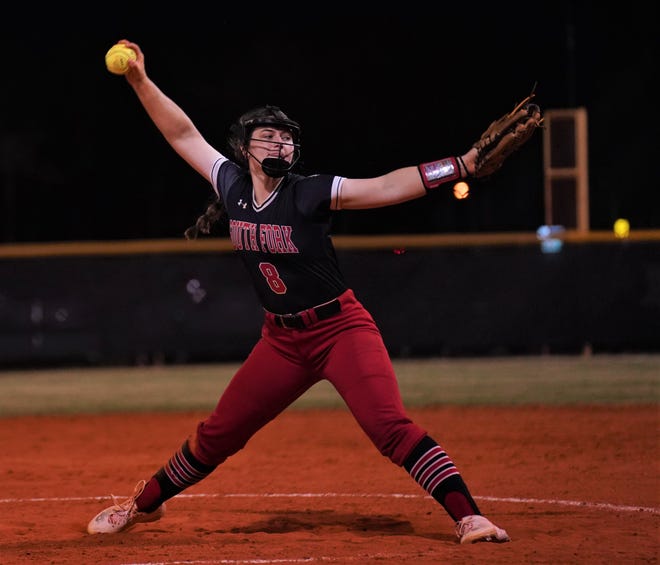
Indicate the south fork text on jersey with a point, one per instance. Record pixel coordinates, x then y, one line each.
267 238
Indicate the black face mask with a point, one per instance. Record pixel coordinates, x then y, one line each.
275 167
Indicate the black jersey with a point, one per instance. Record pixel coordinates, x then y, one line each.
285 242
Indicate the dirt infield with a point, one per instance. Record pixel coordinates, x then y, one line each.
570 485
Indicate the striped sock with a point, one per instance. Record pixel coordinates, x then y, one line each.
430 466
181 471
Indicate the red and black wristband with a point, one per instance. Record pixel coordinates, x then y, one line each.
436 173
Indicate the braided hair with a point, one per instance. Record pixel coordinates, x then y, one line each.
214 212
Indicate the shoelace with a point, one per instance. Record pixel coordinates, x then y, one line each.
124 506
128 504
462 528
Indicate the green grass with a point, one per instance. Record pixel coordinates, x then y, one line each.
558 380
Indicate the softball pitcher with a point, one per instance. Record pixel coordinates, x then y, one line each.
314 327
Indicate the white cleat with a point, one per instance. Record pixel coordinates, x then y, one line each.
123 515
472 529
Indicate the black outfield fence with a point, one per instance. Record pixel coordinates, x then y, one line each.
167 301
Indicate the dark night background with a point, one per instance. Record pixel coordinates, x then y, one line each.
80 160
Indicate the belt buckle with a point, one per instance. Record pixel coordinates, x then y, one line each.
293 318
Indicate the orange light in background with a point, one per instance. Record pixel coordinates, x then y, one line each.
461 190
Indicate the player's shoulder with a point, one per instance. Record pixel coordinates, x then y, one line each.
229 171
311 179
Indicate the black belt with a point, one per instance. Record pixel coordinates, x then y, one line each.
306 318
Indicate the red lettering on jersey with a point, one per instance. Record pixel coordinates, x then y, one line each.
269 239
243 235
254 246
278 242
263 236
289 246
235 234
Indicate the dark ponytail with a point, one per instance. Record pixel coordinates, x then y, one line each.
213 214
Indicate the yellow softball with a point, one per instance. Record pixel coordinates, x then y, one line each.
117 57
622 228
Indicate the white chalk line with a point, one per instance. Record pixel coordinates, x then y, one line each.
514 500
323 559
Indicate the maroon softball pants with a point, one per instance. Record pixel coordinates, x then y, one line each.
347 350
